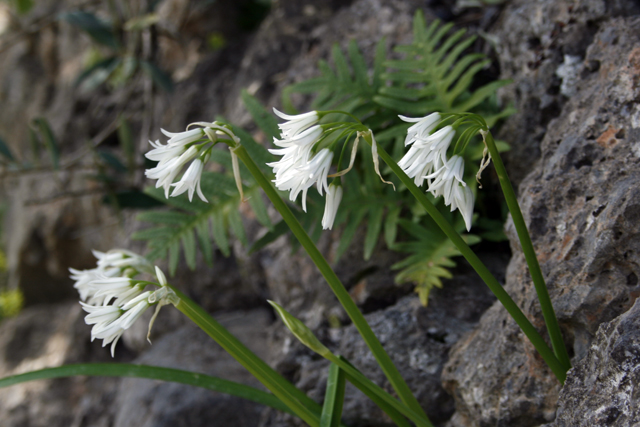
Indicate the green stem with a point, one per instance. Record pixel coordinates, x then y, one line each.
298 402
549 314
383 359
377 391
529 330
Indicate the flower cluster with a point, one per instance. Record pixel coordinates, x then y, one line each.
300 168
427 160
111 296
192 145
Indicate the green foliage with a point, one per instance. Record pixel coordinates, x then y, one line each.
435 73
206 223
431 252
22 6
334 397
123 59
100 31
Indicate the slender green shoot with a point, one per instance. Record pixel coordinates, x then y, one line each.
559 370
153 373
548 313
296 400
333 398
381 356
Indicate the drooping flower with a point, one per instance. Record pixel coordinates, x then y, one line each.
167 170
334 197
463 200
113 298
190 181
191 146
441 181
427 154
422 127
297 123
110 321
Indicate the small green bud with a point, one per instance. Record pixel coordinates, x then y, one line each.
301 331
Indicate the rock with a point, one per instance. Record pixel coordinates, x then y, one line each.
581 204
602 389
417 338
147 403
45 336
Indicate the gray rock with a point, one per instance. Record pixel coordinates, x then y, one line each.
417 338
45 336
602 389
581 205
147 403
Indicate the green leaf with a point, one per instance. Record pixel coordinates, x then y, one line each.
159 77
235 223
125 137
373 230
391 226
263 118
49 140
89 23
165 217
5 151
23 6
151 372
174 254
220 234
333 398
152 233
349 233
189 245
259 208
204 237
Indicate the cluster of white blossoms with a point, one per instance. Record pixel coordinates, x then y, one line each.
192 145
113 298
300 168
427 160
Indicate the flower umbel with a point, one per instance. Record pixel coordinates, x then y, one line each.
191 146
114 299
427 160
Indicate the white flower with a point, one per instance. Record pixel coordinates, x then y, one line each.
334 196
423 126
297 178
463 200
427 154
167 170
190 181
296 124
110 321
441 181
183 138
447 181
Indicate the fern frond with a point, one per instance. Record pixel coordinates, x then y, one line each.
435 75
348 86
192 224
430 258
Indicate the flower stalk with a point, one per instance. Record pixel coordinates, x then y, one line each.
558 368
383 359
548 312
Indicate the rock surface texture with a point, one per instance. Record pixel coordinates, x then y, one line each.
581 203
575 143
602 389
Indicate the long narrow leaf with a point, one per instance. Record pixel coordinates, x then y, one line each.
333 398
151 372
